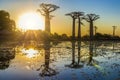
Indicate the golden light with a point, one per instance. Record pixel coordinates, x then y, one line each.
30 52
31 21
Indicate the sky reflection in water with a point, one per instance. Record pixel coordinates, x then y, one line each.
65 61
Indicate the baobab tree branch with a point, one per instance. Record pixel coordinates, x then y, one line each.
91 18
86 19
43 6
82 23
72 14
69 15
42 13
96 17
53 9
76 15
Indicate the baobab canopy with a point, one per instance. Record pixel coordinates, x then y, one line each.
45 10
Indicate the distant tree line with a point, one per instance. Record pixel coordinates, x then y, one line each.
100 36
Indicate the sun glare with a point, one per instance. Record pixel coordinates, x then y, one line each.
31 21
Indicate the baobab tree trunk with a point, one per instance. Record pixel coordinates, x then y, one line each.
95 30
113 32
79 51
47 54
91 30
114 27
47 23
90 52
73 52
73 30
79 29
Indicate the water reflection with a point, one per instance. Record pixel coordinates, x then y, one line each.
45 69
114 46
6 55
4 64
30 52
92 53
85 61
75 64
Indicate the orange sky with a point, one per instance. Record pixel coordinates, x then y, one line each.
107 9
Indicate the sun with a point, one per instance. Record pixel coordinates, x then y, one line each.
31 21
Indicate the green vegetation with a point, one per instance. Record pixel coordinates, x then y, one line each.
7 27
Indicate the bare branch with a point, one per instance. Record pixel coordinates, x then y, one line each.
96 17
42 13
48 7
86 19
91 17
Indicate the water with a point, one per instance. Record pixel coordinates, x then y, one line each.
63 61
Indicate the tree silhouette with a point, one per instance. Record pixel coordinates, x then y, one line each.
114 28
90 18
6 24
74 17
90 52
95 29
4 14
79 51
79 24
4 64
6 55
46 70
75 64
45 10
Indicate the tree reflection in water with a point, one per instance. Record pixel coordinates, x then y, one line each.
6 55
75 64
91 61
4 64
45 69
90 53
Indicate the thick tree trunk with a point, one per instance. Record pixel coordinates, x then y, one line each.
47 23
79 29
73 30
91 30
73 52
79 51
90 52
47 54
113 31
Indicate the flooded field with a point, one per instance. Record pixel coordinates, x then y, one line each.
61 61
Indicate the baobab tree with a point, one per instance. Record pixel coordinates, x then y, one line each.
90 18
80 14
95 29
75 64
114 28
45 10
45 69
73 15
76 15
